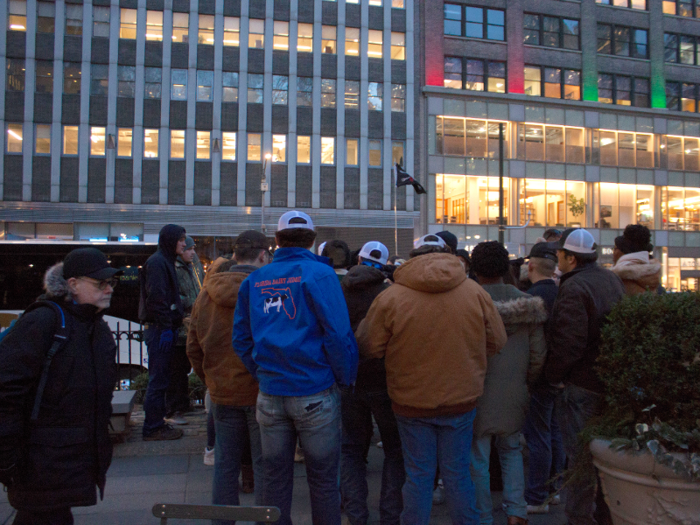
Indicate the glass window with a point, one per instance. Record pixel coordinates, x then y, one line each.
327 150
126 76
124 142
17 15
153 77
100 21
453 72
352 94
203 145
305 38
71 78
398 98
178 84
352 152
328 92
177 143
475 22
154 25
279 148
280 38
641 93
550 31
232 29
46 17
605 88
328 39
150 143
608 148
575 147
305 86
533 81
303 150
497 77
552 82
256 33
205 81
375 39
15 74
470 200
74 19
398 46
688 98
554 143
670 47
375 153
452 137
496 22
254 147
127 25
453 19
42 142
533 138
230 86
99 79
572 84
206 30
15 134
70 140
280 89
397 148
97 141
255 89
475 75
570 32
531 29
228 145
352 41
476 134
181 27
375 94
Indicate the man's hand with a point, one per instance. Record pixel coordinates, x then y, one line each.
166 340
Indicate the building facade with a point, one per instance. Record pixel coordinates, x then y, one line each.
123 115
599 103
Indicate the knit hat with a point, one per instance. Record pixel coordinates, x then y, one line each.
189 242
635 238
490 259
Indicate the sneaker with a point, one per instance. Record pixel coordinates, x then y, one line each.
538 509
164 433
380 444
439 495
556 500
176 419
209 456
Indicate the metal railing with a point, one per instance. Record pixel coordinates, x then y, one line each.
130 353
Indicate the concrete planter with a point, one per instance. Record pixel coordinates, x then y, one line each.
640 491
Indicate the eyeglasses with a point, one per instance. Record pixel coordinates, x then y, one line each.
102 285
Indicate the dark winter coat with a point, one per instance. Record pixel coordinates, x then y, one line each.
61 457
586 296
547 289
160 301
360 286
189 285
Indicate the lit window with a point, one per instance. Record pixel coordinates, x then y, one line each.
375 92
14 138
305 86
397 153
397 4
280 39
97 141
42 144
100 21
150 143
327 93
327 150
154 25
205 81
398 46
375 2
398 98
71 78
255 89
15 74
177 143
70 140
124 141
99 79
232 29
230 86
375 39
74 19
46 17
352 94
178 83
305 38
154 78
203 145
181 27
453 73
127 25
228 145
206 29
303 150
352 41
375 153
351 152
533 81
256 33
125 77
328 39
280 89
279 148
254 147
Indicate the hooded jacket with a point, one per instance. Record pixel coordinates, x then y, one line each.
160 301
209 340
638 272
502 408
189 286
64 455
291 328
435 328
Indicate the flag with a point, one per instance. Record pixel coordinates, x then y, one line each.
404 179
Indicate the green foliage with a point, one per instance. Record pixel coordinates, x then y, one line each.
197 389
576 206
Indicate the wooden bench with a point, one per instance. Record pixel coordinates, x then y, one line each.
122 406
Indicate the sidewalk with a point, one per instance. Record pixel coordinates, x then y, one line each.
145 473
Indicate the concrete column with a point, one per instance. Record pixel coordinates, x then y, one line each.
29 89
242 136
84 129
57 126
292 101
216 116
589 49
514 37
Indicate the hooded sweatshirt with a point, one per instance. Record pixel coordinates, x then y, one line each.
209 340
638 272
435 328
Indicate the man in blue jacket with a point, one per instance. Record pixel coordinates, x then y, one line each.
292 331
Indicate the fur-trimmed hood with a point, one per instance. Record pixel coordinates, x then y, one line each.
525 310
54 283
640 269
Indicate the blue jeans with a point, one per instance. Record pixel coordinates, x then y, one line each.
575 406
429 442
544 441
315 419
358 407
510 454
232 424
158 379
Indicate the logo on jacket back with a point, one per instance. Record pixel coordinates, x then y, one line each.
279 298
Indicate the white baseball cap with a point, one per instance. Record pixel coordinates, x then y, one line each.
429 240
577 240
321 247
295 219
375 251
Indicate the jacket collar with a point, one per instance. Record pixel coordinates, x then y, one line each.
292 254
243 268
576 271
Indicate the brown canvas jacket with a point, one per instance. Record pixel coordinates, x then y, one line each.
435 329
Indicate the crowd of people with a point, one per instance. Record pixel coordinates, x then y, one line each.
458 358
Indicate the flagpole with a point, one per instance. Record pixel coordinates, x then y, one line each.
396 220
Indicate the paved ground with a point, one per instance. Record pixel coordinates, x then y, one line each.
145 473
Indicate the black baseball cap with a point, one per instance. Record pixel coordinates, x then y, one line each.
545 250
252 239
88 262
449 238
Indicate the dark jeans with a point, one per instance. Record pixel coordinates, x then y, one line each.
177 395
158 379
53 517
357 409
544 441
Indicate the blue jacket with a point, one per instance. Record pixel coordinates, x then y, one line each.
291 327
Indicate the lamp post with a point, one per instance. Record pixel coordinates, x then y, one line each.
263 189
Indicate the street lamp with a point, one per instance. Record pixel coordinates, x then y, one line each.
263 189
